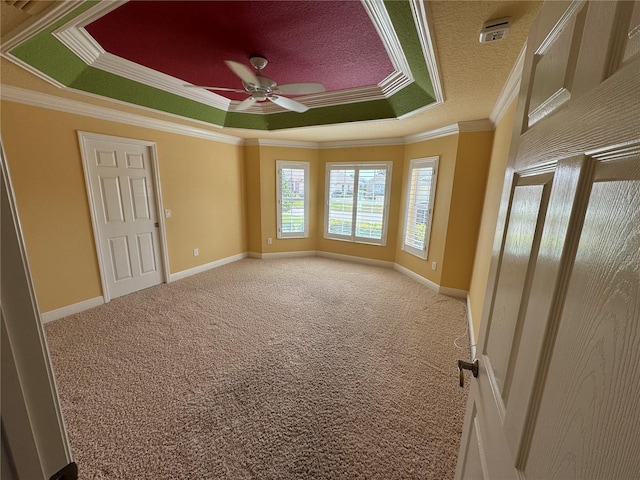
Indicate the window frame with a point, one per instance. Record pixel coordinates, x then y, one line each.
280 164
415 164
357 166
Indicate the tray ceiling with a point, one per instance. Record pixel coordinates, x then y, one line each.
373 57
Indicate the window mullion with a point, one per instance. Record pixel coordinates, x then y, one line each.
356 194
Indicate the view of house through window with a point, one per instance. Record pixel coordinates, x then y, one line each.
357 197
419 208
292 186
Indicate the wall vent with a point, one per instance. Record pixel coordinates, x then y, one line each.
30 7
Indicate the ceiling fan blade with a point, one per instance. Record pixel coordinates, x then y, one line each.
288 103
245 104
221 89
243 72
301 88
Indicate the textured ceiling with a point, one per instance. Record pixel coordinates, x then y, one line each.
191 40
472 75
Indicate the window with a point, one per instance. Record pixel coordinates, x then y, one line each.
292 193
420 194
357 201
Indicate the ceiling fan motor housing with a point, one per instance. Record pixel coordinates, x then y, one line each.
261 90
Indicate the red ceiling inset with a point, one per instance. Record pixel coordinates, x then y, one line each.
332 42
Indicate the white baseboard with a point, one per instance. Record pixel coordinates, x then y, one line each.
472 336
418 278
351 258
301 253
52 315
452 292
207 266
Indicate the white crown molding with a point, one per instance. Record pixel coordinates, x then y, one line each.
419 110
77 39
325 99
265 142
380 18
423 27
74 36
33 71
33 26
51 102
484 125
510 90
374 142
431 134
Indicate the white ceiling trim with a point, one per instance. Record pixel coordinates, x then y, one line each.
423 27
430 135
74 36
342 97
51 102
510 90
36 24
265 142
35 72
375 142
381 21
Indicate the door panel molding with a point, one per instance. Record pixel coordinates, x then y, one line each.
84 139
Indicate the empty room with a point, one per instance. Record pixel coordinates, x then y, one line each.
320 239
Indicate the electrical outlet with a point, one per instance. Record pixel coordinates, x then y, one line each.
167 212
196 252
269 240
434 265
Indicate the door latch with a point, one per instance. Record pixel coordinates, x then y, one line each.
462 365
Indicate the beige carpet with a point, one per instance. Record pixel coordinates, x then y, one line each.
305 368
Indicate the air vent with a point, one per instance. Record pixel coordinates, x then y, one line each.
30 7
495 30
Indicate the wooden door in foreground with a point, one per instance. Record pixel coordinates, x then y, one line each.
557 395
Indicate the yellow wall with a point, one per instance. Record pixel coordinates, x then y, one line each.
268 157
254 211
472 165
493 193
446 148
201 181
223 201
393 153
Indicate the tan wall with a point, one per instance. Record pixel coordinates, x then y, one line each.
254 209
446 149
495 180
393 154
201 181
472 166
268 157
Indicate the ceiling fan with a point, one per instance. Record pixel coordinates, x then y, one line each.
261 88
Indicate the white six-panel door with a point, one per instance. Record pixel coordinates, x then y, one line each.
557 395
121 188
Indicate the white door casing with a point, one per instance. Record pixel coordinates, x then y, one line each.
124 196
557 395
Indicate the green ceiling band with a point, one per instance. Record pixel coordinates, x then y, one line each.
48 55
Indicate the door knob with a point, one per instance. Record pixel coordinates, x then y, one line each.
462 365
